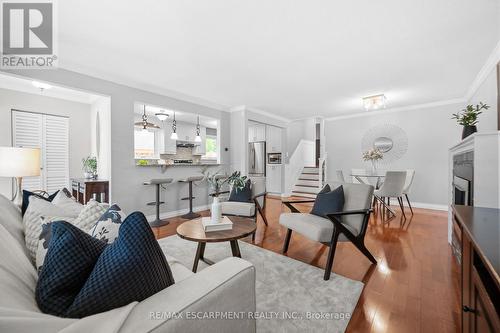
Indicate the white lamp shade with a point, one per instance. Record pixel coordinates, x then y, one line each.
174 136
19 162
197 138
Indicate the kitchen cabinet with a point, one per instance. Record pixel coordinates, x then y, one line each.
257 133
186 131
273 139
201 147
273 178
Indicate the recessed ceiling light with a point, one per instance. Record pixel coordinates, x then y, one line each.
41 85
374 102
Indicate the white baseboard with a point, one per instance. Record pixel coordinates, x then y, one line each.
174 213
422 205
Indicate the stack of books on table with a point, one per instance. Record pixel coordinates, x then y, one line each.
224 224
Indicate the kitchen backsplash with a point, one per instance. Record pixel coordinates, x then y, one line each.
182 154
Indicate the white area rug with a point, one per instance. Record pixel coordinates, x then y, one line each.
285 288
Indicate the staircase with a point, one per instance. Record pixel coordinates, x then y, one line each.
308 183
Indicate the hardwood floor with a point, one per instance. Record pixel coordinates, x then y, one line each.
414 287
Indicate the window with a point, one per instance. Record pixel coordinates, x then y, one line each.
210 147
147 144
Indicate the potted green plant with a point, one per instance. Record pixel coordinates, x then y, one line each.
468 118
89 167
216 181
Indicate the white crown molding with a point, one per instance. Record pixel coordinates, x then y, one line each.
145 87
398 109
488 66
258 111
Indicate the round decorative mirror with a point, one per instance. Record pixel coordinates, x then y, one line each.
383 143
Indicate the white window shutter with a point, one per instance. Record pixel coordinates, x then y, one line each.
27 132
56 153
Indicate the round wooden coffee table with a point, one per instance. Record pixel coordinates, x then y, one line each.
193 231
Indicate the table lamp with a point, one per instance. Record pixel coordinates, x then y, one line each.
19 163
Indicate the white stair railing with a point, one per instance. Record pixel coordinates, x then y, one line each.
322 171
303 155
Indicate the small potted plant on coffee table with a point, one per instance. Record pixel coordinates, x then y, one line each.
468 118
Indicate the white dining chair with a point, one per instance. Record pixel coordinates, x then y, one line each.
340 176
410 175
392 188
360 180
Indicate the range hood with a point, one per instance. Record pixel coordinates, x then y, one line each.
185 144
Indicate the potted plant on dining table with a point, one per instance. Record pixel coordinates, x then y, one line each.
373 155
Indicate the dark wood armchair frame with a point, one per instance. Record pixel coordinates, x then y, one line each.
338 228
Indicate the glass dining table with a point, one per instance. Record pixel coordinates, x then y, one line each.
375 179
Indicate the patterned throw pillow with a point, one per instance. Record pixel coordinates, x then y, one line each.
32 222
87 217
70 259
106 228
130 269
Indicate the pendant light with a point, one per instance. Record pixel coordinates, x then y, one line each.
174 135
198 137
144 123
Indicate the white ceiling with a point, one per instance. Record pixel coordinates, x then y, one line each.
26 85
291 58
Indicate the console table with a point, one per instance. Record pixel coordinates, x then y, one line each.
477 248
85 189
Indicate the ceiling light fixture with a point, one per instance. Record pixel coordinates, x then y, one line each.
174 135
40 85
374 102
198 137
162 115
144 123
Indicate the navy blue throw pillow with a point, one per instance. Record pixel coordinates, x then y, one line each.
70 259
28 194
243 195
130 269
329 202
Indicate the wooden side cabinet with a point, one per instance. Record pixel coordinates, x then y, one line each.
85 189
479 264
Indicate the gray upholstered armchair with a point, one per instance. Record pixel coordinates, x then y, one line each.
348 225
249 209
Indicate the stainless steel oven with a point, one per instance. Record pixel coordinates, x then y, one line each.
274 158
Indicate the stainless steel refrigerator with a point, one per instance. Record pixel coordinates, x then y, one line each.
257 159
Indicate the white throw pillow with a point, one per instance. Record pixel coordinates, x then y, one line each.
108 225
90 214
32 222
65 200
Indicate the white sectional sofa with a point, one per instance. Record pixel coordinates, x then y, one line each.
226 286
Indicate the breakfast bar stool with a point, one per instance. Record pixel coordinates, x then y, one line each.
157 183
190 215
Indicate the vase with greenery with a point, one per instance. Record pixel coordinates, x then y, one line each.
468 118
216 180
89 167
373 155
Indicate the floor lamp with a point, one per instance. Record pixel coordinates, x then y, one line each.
18 163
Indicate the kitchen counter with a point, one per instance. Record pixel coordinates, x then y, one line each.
180 164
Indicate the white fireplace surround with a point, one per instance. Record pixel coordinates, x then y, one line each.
486 148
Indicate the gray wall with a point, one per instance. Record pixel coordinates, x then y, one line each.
79 125
430 133
126 178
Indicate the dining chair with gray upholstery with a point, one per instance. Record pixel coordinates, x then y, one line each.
392 188
410 175
348 225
